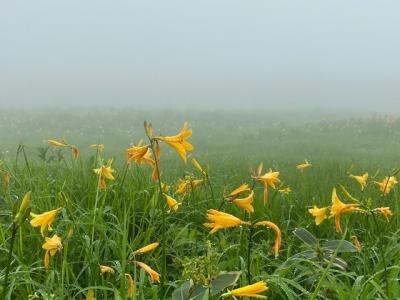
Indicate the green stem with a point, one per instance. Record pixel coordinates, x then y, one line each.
211 188
13 234
328 267
249 254
94 213
163 231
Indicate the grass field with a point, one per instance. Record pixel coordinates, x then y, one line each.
104 226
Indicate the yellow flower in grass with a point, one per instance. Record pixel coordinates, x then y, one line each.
385 211
178 142
131 287
285 190
105 172
244 188
303 166
185 185
221 220
140 154
318 213
172 203
361 179
198 167
51 245
356 243
146 249
98 147
106 269
268 179
57 143
75 152
45 219
251 291
278 234
338 208
153 274
245 203
387 184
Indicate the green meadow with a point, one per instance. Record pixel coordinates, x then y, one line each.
105 226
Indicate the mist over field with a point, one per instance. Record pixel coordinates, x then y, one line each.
282 55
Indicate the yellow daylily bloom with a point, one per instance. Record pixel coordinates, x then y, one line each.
252 291
146 249
244 188
140 154
57 143
172 203
285 190
356 243
185 185
385 211
98 147
278 234
318 213
178 142
75 152
104 172
245 203
303 166
268 179
106 269
153 274
222 220
361 179
45 219
338 208
51 245
198 167
387 184
131 287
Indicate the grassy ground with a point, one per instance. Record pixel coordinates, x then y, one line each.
131 214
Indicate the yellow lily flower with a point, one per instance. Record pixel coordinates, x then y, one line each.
75 152
318 213
178 142
199 168
45 219
338 208
244 188
153 274
105 172
385 211
131 286
172 203
57 143
285 190
268 179
51 245
361 179
356 243
146 249
106 269
303 166
186 184
140 154
99 147
278 234
387 184
252 291
222 220
245 203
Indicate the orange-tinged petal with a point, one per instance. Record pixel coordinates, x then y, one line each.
153 274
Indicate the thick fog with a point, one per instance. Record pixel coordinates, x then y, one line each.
211 54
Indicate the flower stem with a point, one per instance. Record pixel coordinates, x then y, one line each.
163 236
250 237
94 213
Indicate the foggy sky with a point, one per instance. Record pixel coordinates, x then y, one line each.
208 53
